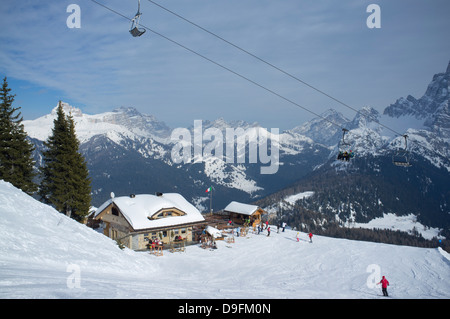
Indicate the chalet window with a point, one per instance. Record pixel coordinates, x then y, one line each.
167 213
115 211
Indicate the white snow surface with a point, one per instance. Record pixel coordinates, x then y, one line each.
44 254
403 223
294 198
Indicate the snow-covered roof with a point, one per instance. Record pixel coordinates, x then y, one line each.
139 208
214 232
240 208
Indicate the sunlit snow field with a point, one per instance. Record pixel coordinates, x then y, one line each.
46 255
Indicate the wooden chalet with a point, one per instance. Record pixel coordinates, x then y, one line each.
243 214
137 220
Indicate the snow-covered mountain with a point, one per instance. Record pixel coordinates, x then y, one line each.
130 152
321 129
369 186
432 108
45 254
118 125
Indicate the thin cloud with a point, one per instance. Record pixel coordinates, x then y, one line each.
100 66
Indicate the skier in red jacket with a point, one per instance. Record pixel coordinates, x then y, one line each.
384 283
310 237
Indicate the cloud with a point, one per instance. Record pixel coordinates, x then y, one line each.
322 42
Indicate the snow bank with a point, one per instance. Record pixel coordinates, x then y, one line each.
35 234
406 223
46 255
293 198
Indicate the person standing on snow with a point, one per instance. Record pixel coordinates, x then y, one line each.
298 236
310 237
268 231
384 284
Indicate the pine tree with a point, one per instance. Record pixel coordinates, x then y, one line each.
81 182
16 152
65 178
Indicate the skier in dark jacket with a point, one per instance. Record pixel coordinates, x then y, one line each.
384 284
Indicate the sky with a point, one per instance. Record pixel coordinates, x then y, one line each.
180 73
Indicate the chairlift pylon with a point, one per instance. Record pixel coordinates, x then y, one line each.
134 29
401 156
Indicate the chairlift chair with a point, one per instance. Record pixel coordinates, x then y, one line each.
344 148
401 156
134 29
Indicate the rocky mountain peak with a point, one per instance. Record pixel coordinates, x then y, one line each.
430 106
365 117
321 129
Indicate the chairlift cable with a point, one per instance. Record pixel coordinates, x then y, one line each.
220 65
274 66
369 116
248 79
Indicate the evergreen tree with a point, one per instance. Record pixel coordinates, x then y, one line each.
16 152
65 178
81 182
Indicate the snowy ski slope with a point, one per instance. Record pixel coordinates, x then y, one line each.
46 255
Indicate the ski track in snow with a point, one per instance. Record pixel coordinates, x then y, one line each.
39 244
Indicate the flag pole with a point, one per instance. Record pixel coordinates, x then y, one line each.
210 200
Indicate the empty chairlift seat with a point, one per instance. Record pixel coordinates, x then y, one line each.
134 29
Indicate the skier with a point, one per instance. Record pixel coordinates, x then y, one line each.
310 237
384 283
298 236
284 226
268 231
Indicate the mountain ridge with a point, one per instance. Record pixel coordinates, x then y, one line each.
130 152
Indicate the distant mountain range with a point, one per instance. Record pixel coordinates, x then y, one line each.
370 186
130 152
